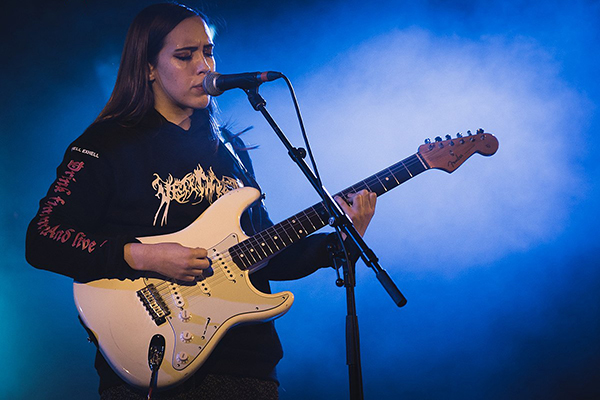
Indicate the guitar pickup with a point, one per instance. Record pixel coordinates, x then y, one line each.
154 304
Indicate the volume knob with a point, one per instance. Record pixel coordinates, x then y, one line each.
185 315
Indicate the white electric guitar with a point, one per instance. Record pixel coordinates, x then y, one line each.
124 315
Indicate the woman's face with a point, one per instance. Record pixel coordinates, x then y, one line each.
184 60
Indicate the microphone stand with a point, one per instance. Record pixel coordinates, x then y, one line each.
340 221
341 260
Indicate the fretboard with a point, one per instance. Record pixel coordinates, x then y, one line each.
250 253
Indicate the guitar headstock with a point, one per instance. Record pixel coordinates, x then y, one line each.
449 154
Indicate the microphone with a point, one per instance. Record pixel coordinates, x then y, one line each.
215 84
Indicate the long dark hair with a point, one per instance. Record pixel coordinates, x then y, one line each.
132 96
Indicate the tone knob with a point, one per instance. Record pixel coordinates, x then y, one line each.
182 357
186 336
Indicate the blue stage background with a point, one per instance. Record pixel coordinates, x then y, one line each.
499 260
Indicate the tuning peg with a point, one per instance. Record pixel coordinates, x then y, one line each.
428 141
480 131
438 139
448 137
459 135
469 133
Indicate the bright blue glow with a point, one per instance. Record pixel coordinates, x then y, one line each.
498 260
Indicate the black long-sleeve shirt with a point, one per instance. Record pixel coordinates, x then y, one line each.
117 183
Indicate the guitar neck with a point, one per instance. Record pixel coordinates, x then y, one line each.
250 253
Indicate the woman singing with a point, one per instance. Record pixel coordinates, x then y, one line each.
150 164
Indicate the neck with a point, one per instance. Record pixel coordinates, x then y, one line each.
181 119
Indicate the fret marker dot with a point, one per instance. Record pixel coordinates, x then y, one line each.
275 237
251 250
262 244
300 231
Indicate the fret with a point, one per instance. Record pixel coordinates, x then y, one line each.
418 156
265 249
279 227
322 213
308 219
381 183
291 228
353 189
403 175
255 249
274 238
319 219
370 185
297 224
390 173
407 169
239 258
266 238
249 251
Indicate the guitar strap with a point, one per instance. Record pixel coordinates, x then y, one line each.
258 216
226 138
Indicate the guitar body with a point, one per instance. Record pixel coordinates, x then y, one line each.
124 315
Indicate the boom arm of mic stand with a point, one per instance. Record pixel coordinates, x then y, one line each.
340 218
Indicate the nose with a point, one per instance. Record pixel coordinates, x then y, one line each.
204 65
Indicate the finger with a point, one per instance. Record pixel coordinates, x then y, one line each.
199 252
195 271
200 263
359 203
367 200
343 204
187 278
372 199
364 199
359 193
357 196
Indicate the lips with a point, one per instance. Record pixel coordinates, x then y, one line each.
199 88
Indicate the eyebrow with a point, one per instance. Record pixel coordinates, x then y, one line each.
193 48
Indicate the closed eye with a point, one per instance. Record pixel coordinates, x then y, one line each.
208 50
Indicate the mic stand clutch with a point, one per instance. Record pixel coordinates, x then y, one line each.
338 219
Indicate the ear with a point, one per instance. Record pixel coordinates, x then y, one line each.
151 75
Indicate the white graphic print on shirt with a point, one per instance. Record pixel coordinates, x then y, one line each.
196 186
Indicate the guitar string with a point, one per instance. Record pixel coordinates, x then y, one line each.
219 276
164 289
311 213
307 215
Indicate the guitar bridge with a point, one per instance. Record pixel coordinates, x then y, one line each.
154 304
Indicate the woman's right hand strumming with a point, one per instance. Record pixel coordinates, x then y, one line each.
169 259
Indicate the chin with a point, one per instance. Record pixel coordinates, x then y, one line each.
202 104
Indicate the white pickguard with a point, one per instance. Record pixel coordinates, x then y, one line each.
200 314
